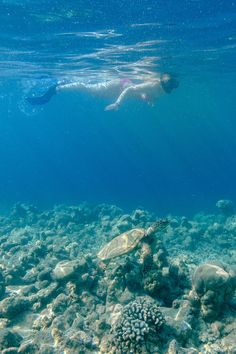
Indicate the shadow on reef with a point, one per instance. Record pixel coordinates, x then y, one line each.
173 293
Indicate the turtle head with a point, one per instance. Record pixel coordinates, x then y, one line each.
157 226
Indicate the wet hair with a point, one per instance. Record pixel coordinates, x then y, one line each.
169 82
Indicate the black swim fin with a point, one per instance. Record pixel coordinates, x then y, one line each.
45 98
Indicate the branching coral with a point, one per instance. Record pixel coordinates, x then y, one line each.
139 319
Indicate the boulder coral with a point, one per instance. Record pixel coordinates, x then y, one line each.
213 286
225 206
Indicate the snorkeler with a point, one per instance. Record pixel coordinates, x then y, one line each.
122 89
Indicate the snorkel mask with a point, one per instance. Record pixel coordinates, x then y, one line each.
169 82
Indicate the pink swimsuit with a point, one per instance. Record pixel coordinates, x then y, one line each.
125 82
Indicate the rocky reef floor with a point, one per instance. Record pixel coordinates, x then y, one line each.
173 293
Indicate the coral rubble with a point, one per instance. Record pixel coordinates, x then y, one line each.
175 294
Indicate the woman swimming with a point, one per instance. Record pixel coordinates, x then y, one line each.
122 89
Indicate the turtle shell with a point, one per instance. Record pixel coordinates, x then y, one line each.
121 244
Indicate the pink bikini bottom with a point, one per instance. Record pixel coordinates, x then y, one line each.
125 82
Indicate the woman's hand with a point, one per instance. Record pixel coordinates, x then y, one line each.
112 107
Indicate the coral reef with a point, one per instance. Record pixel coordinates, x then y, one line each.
139 319
213 285
225 206
175 294
9 339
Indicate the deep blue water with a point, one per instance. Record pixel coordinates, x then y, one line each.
178 157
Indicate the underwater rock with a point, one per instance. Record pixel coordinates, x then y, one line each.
28 348
230 226
85 304
10 350
64 270
161 255
101 326
165 281
225 206
127 274
33 256
140 216
139 319
45 274
25 212
124 224
44 319
131 273
47 349
69 269
9 339
185 223
213 285
79 342
12 306
101 289
229 342
174 348
70 333
146 257
152 272
126 297
60 303
182 324
2 285
152 282
43 296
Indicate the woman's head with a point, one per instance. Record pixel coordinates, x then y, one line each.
169 82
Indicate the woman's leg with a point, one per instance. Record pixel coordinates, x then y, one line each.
103 89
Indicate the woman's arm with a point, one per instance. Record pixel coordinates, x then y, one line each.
138 90
124 94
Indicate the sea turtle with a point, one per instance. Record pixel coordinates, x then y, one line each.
127 241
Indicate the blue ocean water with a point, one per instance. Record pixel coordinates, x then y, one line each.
177 157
